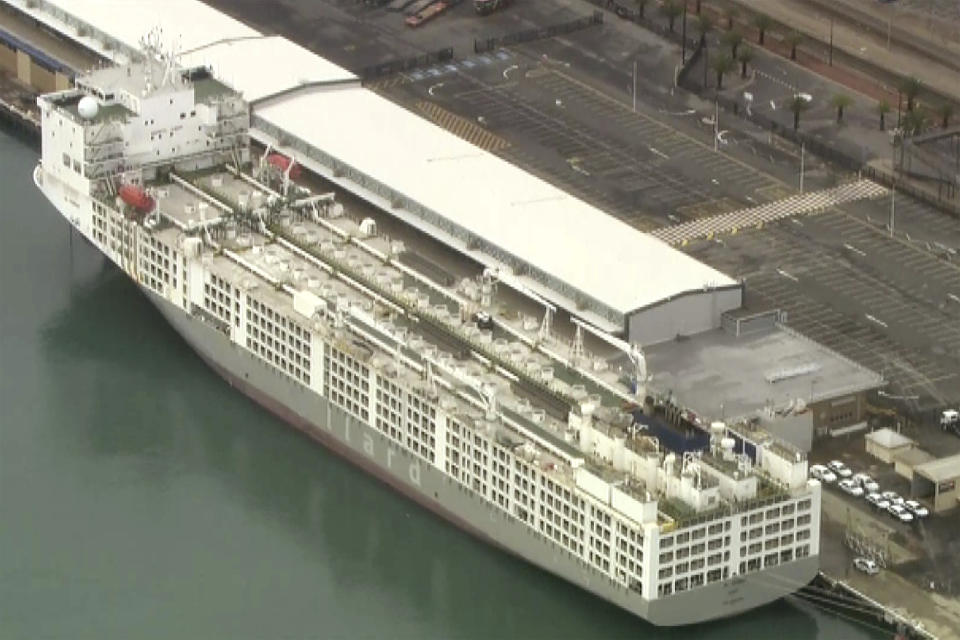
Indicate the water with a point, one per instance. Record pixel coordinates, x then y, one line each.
141 497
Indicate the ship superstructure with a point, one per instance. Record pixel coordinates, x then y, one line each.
312 313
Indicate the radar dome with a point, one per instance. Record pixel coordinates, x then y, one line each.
88 107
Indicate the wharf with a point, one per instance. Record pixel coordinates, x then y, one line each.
923 613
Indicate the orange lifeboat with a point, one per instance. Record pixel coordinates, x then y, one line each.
137 197
282 162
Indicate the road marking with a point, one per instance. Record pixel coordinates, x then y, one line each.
850 247
787 275
507 71
954 297
434 86
812 202
659 153
875 320
463 127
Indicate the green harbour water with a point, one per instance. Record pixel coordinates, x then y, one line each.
142 497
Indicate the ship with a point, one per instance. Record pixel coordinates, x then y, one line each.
308 310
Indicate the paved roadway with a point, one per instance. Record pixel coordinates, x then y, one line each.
808 203
882 301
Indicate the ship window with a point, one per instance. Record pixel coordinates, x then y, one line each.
66 160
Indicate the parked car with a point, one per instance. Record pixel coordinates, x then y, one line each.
869 484
866 565
878 500
848 486
840 469
822 474
892 496
916 508
900 513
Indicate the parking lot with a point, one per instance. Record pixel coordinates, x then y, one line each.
881 301
924 551
632 164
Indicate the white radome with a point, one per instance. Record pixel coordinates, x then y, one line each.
88 107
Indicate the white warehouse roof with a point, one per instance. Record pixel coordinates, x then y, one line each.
186 24
250 65
523 215
509 208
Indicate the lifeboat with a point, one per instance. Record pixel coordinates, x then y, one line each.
137 197
282 162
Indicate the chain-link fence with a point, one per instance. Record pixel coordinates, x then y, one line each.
528 35
406 64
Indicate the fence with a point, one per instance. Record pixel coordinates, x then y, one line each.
691 62
489 44
836 156
406 64
631 13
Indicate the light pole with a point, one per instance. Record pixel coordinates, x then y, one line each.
683 35
802 155
831 42
893 198
716 125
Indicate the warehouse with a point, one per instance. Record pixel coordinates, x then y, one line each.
539 239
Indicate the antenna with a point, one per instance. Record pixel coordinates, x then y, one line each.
576 351
546 324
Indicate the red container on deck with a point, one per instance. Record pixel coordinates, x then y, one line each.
281 162
136 197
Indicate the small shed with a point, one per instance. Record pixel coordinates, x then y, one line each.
906 460
884 443
939 479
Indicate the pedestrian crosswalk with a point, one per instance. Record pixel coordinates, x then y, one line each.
801 204
462 127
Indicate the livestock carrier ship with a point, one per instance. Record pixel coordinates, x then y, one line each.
310 312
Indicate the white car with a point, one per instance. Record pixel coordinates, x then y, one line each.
900 513
869 484
866 565
878 501
850 487
916 508
891 496
822 474
840 469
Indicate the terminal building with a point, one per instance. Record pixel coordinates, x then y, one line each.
705 354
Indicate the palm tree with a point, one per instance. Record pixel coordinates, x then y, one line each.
641 6
762 22
671 9
704 26
721 64
913 122
883 108
730 13
732 39
793 39
911 89
745 55
945 111
798 105
841 101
